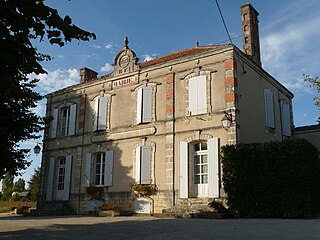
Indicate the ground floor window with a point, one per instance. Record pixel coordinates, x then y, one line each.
61 173
100 169
200 163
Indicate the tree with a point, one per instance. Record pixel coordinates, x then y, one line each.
19 186
314 82
7 186
34 184
21 24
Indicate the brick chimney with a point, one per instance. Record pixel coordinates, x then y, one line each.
87 75
250 32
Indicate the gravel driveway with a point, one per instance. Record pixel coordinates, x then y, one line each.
79 227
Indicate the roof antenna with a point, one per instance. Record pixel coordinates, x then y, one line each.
225 26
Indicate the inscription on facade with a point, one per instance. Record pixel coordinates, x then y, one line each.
122 82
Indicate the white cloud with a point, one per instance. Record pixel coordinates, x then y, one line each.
292 50
96 46
148 57
109 45
106 68
56 80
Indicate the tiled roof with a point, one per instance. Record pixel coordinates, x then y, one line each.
181 54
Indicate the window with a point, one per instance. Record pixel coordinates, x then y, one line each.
65 120
200 163
100 114
199 169
144 105
197 95
61 173
269 109
143 165
99 169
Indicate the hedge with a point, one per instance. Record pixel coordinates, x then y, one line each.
274 179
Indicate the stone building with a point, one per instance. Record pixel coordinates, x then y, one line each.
159 124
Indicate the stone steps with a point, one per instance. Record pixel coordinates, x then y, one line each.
55 208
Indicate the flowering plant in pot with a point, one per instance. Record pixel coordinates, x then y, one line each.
144 189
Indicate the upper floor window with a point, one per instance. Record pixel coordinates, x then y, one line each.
269 109
144 105
197 95
64 121
100 114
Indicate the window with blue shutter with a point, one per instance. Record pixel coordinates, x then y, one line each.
143 164
197 95
269 108
100 113
144 105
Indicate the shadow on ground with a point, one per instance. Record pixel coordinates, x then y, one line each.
77 228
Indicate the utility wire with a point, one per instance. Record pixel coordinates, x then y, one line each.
225 26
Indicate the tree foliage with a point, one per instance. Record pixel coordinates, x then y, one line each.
34 184
7 186
19 185
21 24
314 82
273 179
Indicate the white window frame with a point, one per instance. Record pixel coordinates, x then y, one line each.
64 121
200 153
61 173
105 170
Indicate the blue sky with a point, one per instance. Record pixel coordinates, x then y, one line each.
289 39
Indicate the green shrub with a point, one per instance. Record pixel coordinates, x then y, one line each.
274 179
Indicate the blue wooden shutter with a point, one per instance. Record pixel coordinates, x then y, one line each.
201 94
72 120
88 170
145 167
183 169
213 167
103 109
139 105
96 113
269 108
147 104
286 119
138 164
67 178
54 125
50 179
193 95
108 173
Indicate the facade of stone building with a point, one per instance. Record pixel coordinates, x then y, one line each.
158 123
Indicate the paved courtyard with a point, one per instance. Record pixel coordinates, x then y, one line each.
76 228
